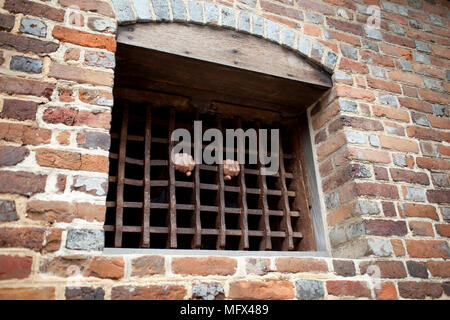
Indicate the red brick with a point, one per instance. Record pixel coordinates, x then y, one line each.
30 238
325 115
444 150
439 269
296 265
15 267
348 288
419 290
423 133
372 57
312 30
341 214
6 22
401 41
433 96
395 51
369 155
330 146
427 249
355 93
53 240
421 228
20 182
409 176
414 104
10 155
377 190
39 88
204 266
317 7
388 209
439 122
438 196
34 9
105 268
419 210
58 159
345 26
345 268
96 97
344 37
388 269
387 291
384 85
94 163
378 227
407 77
151 292
42 293
147 266
261 290
443 230
433 163
281 10
351 65
63 267
81 75
391 113
63 138
62 211
398 144
19 109
95 6
84 39
397 246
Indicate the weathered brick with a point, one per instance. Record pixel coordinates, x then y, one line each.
433 163
417 269
424 133
439 269
390 113
387 291
384 85
10 155
397 246
355 93
419 290
58 159
94 186
345 26
348 288
443 230
96 97
399 144
80 75
6 22
350 65
21 182
34 27
99 59
438 196
204 266
19 109
15 267
35 9
345 268
8 210
377 190
409 176
418 210
427 249
26 64
151 292
147 266
42 293
62 211
101 7
94 140
63 266
53 240
388 269
378 227
421 228
94 163
84 293
261 290
414 104
105 268
309 289
296 265
30 238
11 85
85 39
369 155
331 145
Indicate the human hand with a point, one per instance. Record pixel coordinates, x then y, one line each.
184 163
231 168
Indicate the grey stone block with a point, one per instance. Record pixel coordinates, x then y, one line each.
244 22
355 229
26 64
211 13
313 17
96 186
96 140
338 75
378 71
418 57
331 200
349 51
372 33
367 44
161 8
380 247
355 137
102 24
374 141
438 110
331 60
100 59
389 100
422 46
8 211
207 291
432 84
288 37
124 11
228 17
405 65
400 160
396 29
303 45
366 207
196 11
178 10
85 239
258 26
436 20
142 10
273 31
34 27
309 289
317 50
420 119
415 194
446 213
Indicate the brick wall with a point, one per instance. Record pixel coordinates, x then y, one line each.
381 143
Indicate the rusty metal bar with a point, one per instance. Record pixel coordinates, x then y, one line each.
220 199
145 235
172 214
121 178
243 219
266 243
197 239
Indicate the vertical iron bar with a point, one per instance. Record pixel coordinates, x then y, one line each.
196 221
121 178
220 222
266 243
145 234
243 221
172 225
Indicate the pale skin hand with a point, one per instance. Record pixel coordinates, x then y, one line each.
231 169
184 162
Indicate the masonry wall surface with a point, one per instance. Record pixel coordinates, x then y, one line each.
381 143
